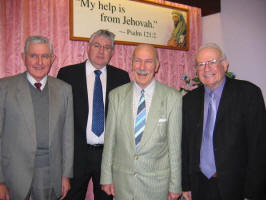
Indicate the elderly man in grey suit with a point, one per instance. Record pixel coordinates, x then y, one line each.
142 152
36 129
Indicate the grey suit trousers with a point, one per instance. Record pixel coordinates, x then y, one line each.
41 188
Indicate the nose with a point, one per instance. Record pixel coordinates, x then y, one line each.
142 65
207 67
40 60
101 49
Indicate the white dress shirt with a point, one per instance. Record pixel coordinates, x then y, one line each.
33 81
90 78
148 93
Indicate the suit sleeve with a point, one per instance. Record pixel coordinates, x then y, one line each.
185 151
174 141
68 136
109 143
126 78
61 75
2 100
255 120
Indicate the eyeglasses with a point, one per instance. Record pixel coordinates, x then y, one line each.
211 63
105 47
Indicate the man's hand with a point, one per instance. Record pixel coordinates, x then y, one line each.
65 187
173 196
187 195
109 189
4 192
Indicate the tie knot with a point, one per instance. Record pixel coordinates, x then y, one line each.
38 86
211 94
142 92
97 72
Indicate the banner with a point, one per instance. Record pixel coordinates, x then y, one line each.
132 22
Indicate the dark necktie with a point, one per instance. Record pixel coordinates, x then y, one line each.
38 86
98 106
140 119
207 161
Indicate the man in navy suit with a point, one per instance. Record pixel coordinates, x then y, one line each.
223 141
88 145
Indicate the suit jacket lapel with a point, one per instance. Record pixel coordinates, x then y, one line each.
199 116
53 105
25 102
225 103
155 112
109 81
83 94
110 84
129 118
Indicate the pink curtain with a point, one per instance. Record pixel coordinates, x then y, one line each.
21 18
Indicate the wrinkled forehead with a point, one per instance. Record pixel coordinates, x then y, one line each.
39 48
145 51
208 53
101 40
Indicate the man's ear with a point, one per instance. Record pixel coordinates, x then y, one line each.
23 57
226 65
157 66
53 58
113 52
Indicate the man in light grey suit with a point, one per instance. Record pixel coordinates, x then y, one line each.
36 129
142 152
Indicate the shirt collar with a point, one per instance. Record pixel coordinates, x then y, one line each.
217 91
33 81
91 68
148 89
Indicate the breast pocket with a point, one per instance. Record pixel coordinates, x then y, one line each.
161 130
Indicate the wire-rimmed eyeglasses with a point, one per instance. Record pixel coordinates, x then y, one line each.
211 63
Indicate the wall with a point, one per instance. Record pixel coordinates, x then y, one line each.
240 29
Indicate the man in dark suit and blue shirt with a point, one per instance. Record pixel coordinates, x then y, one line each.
223 139
91 82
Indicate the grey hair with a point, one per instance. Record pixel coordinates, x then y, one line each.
37 39
214 46
103 33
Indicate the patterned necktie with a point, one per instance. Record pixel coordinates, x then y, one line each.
38 86
98 107
140 119
207 161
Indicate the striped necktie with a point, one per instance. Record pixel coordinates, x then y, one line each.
140 119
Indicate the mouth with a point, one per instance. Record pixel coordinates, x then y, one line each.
100 56
38 67
142 72
209 75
